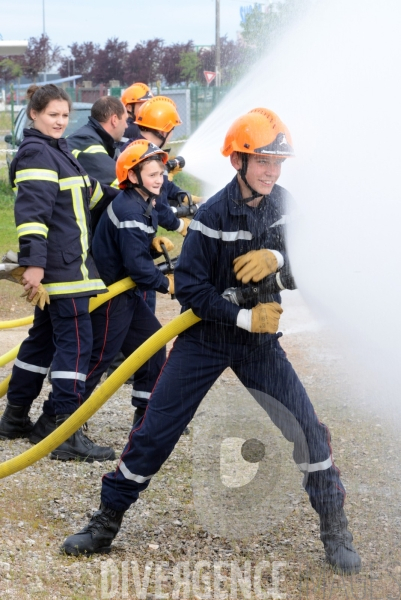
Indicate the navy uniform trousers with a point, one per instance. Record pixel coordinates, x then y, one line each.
124 323
192 367
61 335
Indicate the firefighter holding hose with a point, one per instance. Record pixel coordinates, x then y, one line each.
237 236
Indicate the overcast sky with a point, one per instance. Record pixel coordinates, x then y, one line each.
70 21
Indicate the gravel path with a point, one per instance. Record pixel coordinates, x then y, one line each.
250 523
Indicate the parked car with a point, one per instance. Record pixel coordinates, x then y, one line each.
78 117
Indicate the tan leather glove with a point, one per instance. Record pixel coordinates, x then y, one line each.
195 199
11 272
160 239
184 230
40 298
170 277
266 317
173 172
255 265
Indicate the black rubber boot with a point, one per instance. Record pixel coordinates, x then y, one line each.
337 541
80 447
97 535
15 422
43 427
138 414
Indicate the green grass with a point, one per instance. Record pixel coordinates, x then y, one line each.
188 183
8 234
5 120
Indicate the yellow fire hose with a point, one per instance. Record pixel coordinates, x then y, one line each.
114 290
100 396
16 323
4 386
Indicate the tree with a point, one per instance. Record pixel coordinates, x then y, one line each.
261 29
170 63
232 59
40 55
144 62
189 66
110 62
84 57
10 70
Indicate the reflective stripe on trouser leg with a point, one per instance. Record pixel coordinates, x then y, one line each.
72 332
268 372
172 405
33 361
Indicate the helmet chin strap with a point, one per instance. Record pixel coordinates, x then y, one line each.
242 173
162 137
140 186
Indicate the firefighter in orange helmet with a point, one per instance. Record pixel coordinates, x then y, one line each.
242 226
132 98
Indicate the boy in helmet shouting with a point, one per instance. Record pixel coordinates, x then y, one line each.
237 237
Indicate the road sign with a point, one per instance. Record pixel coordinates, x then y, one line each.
209 76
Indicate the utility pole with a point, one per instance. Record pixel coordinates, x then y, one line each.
217 68
44 33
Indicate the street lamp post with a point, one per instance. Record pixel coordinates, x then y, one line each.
218 75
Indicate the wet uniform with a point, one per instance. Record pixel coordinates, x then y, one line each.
223 229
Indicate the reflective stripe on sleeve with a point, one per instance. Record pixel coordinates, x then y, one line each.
128 224
33 368
36 175
68 375
136 394
312 468
32 228
225 236
128 475
114 184
95 149
96 196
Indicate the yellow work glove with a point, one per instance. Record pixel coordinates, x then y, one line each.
170 277
173 172
160 239
11 272
195 199
184 230
255 265
266 317
40 298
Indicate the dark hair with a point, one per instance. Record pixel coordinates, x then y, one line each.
156 157
39 97
106 107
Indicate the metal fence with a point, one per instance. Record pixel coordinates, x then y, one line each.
203 101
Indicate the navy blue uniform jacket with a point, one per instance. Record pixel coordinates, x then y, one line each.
53 198
223 229
121 244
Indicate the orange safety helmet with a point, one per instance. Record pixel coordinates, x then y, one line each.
136 93
158 113
132 156
259 132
